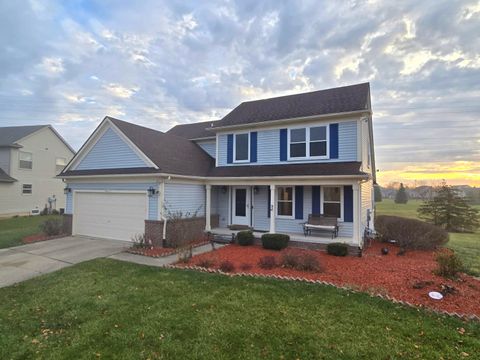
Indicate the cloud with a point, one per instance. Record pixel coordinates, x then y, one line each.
160 63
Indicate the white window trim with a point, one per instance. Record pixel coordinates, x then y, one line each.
341 200
24 152
31 190
307 142
293 202
60 157
235 147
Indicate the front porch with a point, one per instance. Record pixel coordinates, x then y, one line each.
251 206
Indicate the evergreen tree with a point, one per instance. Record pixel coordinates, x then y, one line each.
449 211
401 197
377 194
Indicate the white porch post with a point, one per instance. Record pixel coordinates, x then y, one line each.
208 189
356 213
272 209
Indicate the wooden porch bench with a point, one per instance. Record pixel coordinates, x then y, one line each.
321 223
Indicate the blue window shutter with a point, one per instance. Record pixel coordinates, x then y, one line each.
230 148
283 144
253 146
298 202
269 201
348 203
333 141
316 200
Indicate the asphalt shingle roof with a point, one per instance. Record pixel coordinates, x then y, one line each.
11 134
4 177
193 131
322 102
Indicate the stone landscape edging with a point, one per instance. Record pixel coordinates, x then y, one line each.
461 316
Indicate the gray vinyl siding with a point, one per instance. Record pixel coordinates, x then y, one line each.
189 199
209 146
268 147
101 155
152 200
5 160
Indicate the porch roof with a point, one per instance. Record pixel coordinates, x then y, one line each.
311 169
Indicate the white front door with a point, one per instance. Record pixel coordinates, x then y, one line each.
241 206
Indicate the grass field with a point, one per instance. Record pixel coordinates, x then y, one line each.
13 230
467 246
109 309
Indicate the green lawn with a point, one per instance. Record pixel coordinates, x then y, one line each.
467 246
13 230
109 309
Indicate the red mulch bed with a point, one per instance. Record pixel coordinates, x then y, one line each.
374 273
160 251
40 237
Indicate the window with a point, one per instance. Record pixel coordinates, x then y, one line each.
308 142
25 160
285 201
27 189
60 165
241 147
332 201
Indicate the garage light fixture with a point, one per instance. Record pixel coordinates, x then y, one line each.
152 191
67 190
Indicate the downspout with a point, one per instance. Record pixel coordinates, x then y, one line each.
162 211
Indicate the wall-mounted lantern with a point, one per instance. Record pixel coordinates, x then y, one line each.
67 190
152 191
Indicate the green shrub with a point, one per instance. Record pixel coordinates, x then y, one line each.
410 234
55 212
337 249
275 241
448 264
52 227
267 262
245 238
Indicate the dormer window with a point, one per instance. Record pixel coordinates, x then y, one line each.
308 142
241 147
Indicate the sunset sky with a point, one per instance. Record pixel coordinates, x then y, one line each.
160 63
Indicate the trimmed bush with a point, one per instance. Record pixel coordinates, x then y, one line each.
275 241
300 261
290 259
245 238
267 262
337 249
410 234
227 266
449 264
52 227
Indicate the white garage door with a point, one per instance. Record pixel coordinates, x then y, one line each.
112 215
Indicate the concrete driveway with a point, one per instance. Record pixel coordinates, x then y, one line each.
27 261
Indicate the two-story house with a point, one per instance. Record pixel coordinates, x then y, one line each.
266 165
30 159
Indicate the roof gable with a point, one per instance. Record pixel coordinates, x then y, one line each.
11 134
110 152
323 102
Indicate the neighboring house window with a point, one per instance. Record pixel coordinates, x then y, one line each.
332 201
27 189
25 160
285 200
310 142
241 147
60 165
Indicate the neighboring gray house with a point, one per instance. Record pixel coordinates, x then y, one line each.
30 159
267 165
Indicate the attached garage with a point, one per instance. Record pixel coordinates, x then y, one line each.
110 215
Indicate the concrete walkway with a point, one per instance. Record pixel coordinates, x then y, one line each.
162 261
27 261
